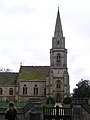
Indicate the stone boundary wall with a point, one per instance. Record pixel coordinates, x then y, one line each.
79 113
20 115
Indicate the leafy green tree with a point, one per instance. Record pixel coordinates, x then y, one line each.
5 70
50 100
67 100
82 90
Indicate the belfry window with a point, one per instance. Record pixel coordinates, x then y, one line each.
58 60
25 90
35 90
58 42
10 91
1 91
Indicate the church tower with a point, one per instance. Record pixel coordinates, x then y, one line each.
58 86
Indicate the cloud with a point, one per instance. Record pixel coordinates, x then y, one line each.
27 28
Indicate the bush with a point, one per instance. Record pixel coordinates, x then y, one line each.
50 100
67 100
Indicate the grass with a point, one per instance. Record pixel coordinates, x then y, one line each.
66 106
49 105
4 104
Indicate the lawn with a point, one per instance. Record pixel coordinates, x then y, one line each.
4 104
49 105
66 106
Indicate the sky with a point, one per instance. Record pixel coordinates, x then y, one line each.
27 28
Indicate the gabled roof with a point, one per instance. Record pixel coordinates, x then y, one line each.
8 78
33 72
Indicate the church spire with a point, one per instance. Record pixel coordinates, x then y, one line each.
58 27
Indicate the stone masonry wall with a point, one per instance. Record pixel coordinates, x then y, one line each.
79 113
19 116
22 115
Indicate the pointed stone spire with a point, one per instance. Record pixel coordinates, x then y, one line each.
58 27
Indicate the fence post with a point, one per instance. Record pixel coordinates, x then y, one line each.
57 112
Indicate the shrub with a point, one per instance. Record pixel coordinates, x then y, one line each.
67 100
50 100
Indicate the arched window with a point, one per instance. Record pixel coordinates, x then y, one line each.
10 91
58 59
1 91
58 85
24 89
35 90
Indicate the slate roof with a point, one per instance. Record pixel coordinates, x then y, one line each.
33 72
8 78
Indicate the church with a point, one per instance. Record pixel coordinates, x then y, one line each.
40 82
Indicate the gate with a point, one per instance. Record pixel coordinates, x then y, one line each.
57 113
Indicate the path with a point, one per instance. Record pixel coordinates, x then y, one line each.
58 104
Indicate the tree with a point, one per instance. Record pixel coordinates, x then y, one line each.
82 90
5 70
50 100
67 100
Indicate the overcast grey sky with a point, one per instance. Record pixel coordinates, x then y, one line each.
27 28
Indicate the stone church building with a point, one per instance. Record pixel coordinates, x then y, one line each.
39 82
